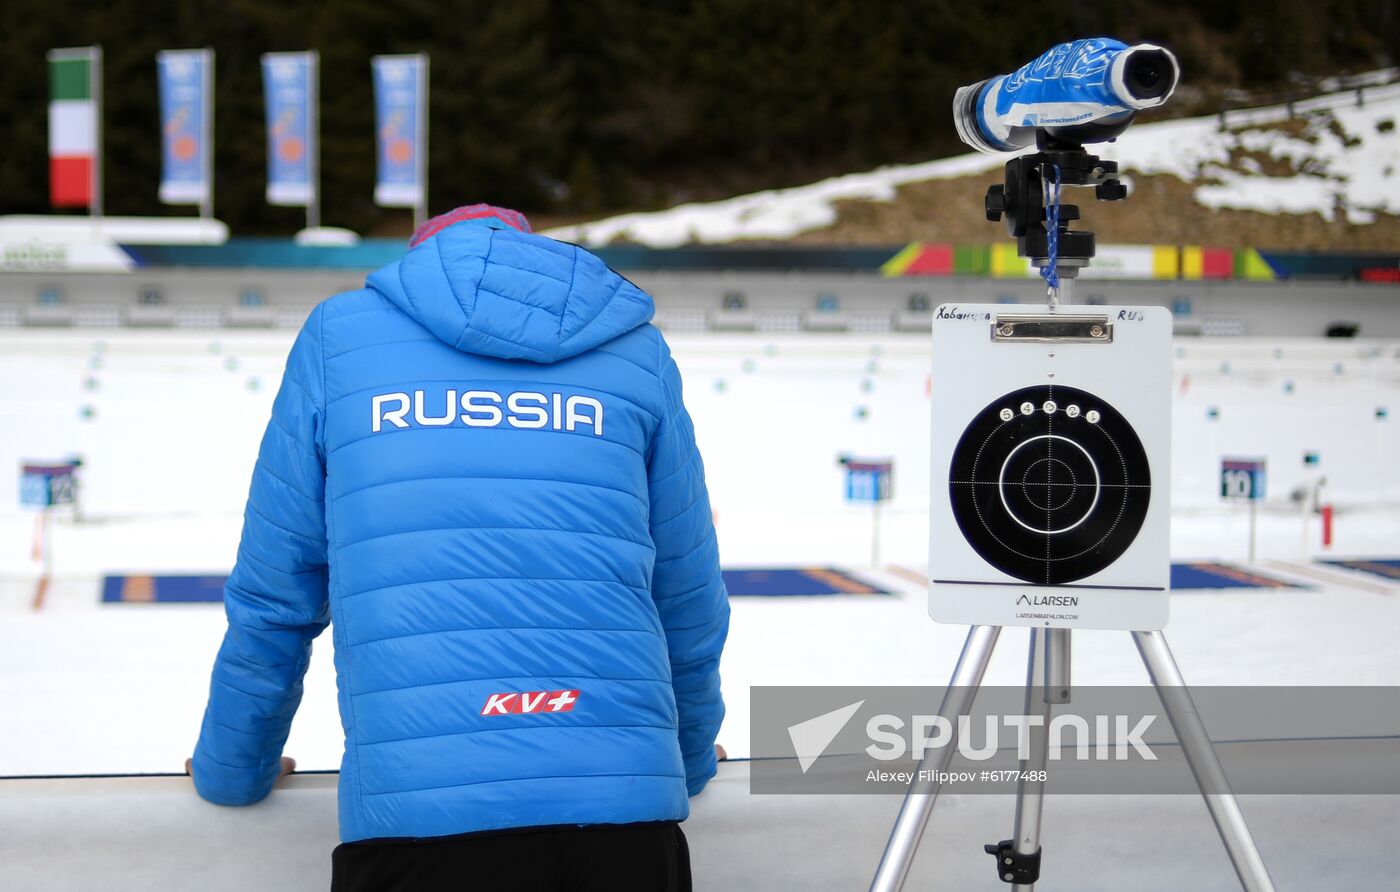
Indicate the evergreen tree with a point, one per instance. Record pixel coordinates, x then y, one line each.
568 107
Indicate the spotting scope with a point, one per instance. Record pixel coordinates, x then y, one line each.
1084 91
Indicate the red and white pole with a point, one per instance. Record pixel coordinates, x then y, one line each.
43 551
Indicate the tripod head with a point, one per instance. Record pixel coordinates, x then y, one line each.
1019 201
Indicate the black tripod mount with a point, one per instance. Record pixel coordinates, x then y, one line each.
1020 200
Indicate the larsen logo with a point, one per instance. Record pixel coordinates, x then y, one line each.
523 409
527 702
1048 601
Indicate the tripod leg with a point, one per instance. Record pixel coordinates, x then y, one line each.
918 802
1047 683
1205 764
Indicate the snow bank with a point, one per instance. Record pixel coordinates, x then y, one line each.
1344 159
774 214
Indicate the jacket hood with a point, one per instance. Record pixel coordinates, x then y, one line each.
493 291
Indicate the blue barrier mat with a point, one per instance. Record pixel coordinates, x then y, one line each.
768 581
784 581
1386 568
1201 575
146 589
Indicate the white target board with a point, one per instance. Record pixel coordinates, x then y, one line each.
1051 466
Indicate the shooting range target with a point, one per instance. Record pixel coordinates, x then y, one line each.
1049 484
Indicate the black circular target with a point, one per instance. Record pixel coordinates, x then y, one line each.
1049 484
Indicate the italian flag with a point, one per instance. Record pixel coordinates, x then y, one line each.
74 125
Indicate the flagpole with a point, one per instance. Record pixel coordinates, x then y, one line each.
313 113
95 88
206 205
420 210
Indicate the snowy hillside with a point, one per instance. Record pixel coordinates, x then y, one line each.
1332 157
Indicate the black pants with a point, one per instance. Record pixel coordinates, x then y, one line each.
597 858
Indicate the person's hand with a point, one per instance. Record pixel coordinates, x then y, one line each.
288 766
720 754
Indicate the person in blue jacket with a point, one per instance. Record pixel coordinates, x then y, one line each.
479 470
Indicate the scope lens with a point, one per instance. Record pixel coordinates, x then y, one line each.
1147 75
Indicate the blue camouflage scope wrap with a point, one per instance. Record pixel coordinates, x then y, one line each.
1071 90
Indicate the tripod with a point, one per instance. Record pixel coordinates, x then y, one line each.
1048 683
1050 244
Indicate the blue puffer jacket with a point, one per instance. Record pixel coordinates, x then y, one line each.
480 469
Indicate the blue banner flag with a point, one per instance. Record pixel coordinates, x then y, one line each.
289 93
401 125
185 79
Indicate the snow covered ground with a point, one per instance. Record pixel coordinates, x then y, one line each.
168 425
1344 158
